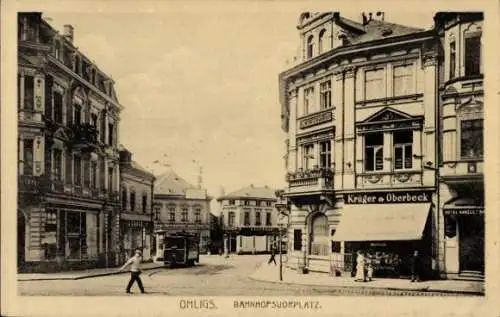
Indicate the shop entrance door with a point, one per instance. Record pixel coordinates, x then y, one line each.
232 243
471 243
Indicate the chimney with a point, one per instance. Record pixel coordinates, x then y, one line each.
68 32
222 191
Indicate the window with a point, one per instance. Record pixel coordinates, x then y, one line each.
171 214
29 92
77 114
111 132
322 42
257 218
184 214
308 100
76 235
374 143
197 215
132 200
158 213
49 240
57 50
247 218
231 202
471 138
335 244
231 219
268 219
297 239
374 84
110 179
310 46
77 64
28 157
308 156
403 80
124 199
472 55
246 202
93 120
320 238
325 94
453 59
102 168
58 165
103 127
403 154
69 168
268 203
325 155
19 79
144 203
78 170
93 174
58 107
86 174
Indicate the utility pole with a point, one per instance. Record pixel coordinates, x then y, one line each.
281 253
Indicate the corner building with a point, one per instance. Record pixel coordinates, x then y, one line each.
360 110
68 172
461 187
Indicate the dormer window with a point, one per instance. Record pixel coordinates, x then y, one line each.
310 46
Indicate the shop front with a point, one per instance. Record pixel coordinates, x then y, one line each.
135 231
389 227
464 232
256 240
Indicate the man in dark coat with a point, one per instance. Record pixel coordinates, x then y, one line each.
273 254
415 267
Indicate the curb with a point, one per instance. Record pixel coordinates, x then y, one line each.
376 288
84 276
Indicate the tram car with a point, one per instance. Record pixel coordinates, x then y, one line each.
180 249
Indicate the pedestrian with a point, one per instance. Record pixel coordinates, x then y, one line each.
360 267
415 267
135 270
273 255
369 267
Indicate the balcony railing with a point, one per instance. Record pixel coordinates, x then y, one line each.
316 118
84 134
29 183
310 177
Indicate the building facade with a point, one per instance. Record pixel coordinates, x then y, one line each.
179 206
68 168
136 214
461 187
360 113
249 220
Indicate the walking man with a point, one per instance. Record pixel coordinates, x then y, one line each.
135 270
272 258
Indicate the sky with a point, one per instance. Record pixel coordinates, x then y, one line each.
201 88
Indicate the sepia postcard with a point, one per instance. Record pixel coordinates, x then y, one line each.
228 158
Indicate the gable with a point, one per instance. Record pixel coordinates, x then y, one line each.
387 114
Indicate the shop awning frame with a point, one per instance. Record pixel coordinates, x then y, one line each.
382 222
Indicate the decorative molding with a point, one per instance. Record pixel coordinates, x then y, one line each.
316 118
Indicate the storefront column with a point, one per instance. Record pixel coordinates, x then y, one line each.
387 151
293 154
349 128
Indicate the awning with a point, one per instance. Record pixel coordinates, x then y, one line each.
382 222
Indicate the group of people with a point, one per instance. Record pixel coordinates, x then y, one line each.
367 262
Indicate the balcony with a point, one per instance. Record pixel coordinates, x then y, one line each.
84 136
29 183
316 179
316 118
30 116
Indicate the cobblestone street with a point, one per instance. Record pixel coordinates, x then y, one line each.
214 276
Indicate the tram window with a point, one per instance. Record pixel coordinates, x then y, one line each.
174 243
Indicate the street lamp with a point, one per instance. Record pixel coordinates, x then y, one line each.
283 211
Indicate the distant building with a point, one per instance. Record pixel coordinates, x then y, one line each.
249 219
180 206
68 152
136 214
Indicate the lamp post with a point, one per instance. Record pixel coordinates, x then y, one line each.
280 225
283 211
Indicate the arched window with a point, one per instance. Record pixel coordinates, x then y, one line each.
322 41
319 235
310 46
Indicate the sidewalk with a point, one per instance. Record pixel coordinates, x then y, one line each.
81 274
270 273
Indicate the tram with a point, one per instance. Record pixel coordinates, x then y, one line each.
180 248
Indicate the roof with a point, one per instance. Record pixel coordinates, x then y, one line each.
377 29
251 192
170 183
137 166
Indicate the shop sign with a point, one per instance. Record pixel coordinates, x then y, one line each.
463 211
389 198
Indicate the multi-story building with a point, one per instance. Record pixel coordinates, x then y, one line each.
136 214
360 112
249 220
68 151
180 207
461 188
